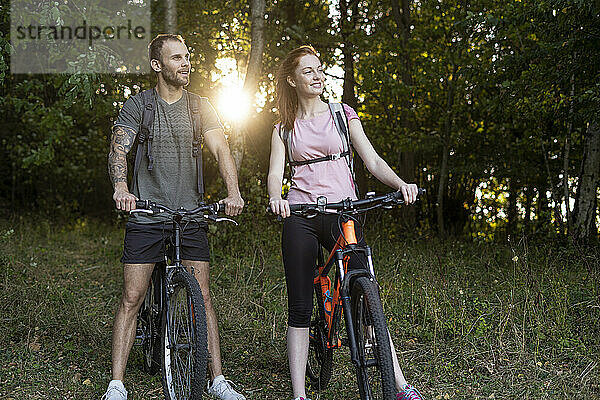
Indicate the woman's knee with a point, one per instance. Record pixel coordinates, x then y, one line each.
299 318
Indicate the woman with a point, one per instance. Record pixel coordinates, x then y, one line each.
299 85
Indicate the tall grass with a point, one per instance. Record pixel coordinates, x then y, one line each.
469 320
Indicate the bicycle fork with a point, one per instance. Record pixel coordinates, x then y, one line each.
346 279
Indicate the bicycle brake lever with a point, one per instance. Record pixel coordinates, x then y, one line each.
141 210
214 218
224 219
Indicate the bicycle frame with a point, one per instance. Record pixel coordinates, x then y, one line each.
165 271
339 255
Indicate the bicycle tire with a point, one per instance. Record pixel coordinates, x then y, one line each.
184 340
149 325
320 357
375 374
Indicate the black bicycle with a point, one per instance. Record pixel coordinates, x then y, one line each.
171 324
355 295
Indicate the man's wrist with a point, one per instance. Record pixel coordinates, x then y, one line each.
121 187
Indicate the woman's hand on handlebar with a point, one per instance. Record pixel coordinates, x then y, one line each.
410 192
280 207
124 200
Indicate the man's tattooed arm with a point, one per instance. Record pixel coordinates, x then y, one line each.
120 144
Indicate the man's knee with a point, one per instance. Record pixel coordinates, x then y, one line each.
132 298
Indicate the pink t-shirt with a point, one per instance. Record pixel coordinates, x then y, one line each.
313 138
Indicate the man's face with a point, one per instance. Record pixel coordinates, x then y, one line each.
175 63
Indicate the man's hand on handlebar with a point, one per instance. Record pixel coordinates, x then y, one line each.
409 191
124 200
280 207
233 205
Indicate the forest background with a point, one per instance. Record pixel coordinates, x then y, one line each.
492 106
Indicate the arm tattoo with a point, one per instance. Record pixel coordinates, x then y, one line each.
120 144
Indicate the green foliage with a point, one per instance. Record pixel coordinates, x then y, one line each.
485 82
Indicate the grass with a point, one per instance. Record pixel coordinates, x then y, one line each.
470 320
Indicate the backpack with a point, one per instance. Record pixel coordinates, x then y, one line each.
341 124
145 135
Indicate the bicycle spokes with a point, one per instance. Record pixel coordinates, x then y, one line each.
180 343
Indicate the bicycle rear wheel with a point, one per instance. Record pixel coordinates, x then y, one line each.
320 357
184 340
149 325
375 374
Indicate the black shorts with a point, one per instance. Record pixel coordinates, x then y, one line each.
144 243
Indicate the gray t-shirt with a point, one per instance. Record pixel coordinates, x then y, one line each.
173 178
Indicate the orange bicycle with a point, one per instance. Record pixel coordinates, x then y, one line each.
355 293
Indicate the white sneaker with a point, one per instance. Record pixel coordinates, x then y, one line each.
222 389
115 391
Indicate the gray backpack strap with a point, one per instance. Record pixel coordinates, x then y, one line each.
341 124
145 134
286 137
193 104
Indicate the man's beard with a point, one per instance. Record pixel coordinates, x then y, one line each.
173 79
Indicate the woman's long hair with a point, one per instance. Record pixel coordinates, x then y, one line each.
287 99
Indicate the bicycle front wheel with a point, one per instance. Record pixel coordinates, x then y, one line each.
375 374
320 357
184 340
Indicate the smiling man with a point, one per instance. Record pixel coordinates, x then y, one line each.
167 172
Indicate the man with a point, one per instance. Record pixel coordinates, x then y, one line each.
171 179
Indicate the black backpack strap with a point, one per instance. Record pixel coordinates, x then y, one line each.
286 137
193 103
341 124
145 134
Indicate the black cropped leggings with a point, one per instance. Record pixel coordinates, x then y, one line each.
300 243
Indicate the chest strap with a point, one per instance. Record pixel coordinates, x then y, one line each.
329 157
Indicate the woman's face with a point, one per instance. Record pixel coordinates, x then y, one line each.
308 77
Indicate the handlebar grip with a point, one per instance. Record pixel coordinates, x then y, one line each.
219 207
143 204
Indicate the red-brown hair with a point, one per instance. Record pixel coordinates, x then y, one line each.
287 99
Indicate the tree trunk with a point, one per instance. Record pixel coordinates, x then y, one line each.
253 71
553 191
566 158
586 201
528 202
442 187
171 16
257 45
406 159
512 206
348 95
443 182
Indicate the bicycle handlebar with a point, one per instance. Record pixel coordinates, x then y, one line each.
353 206
209 211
